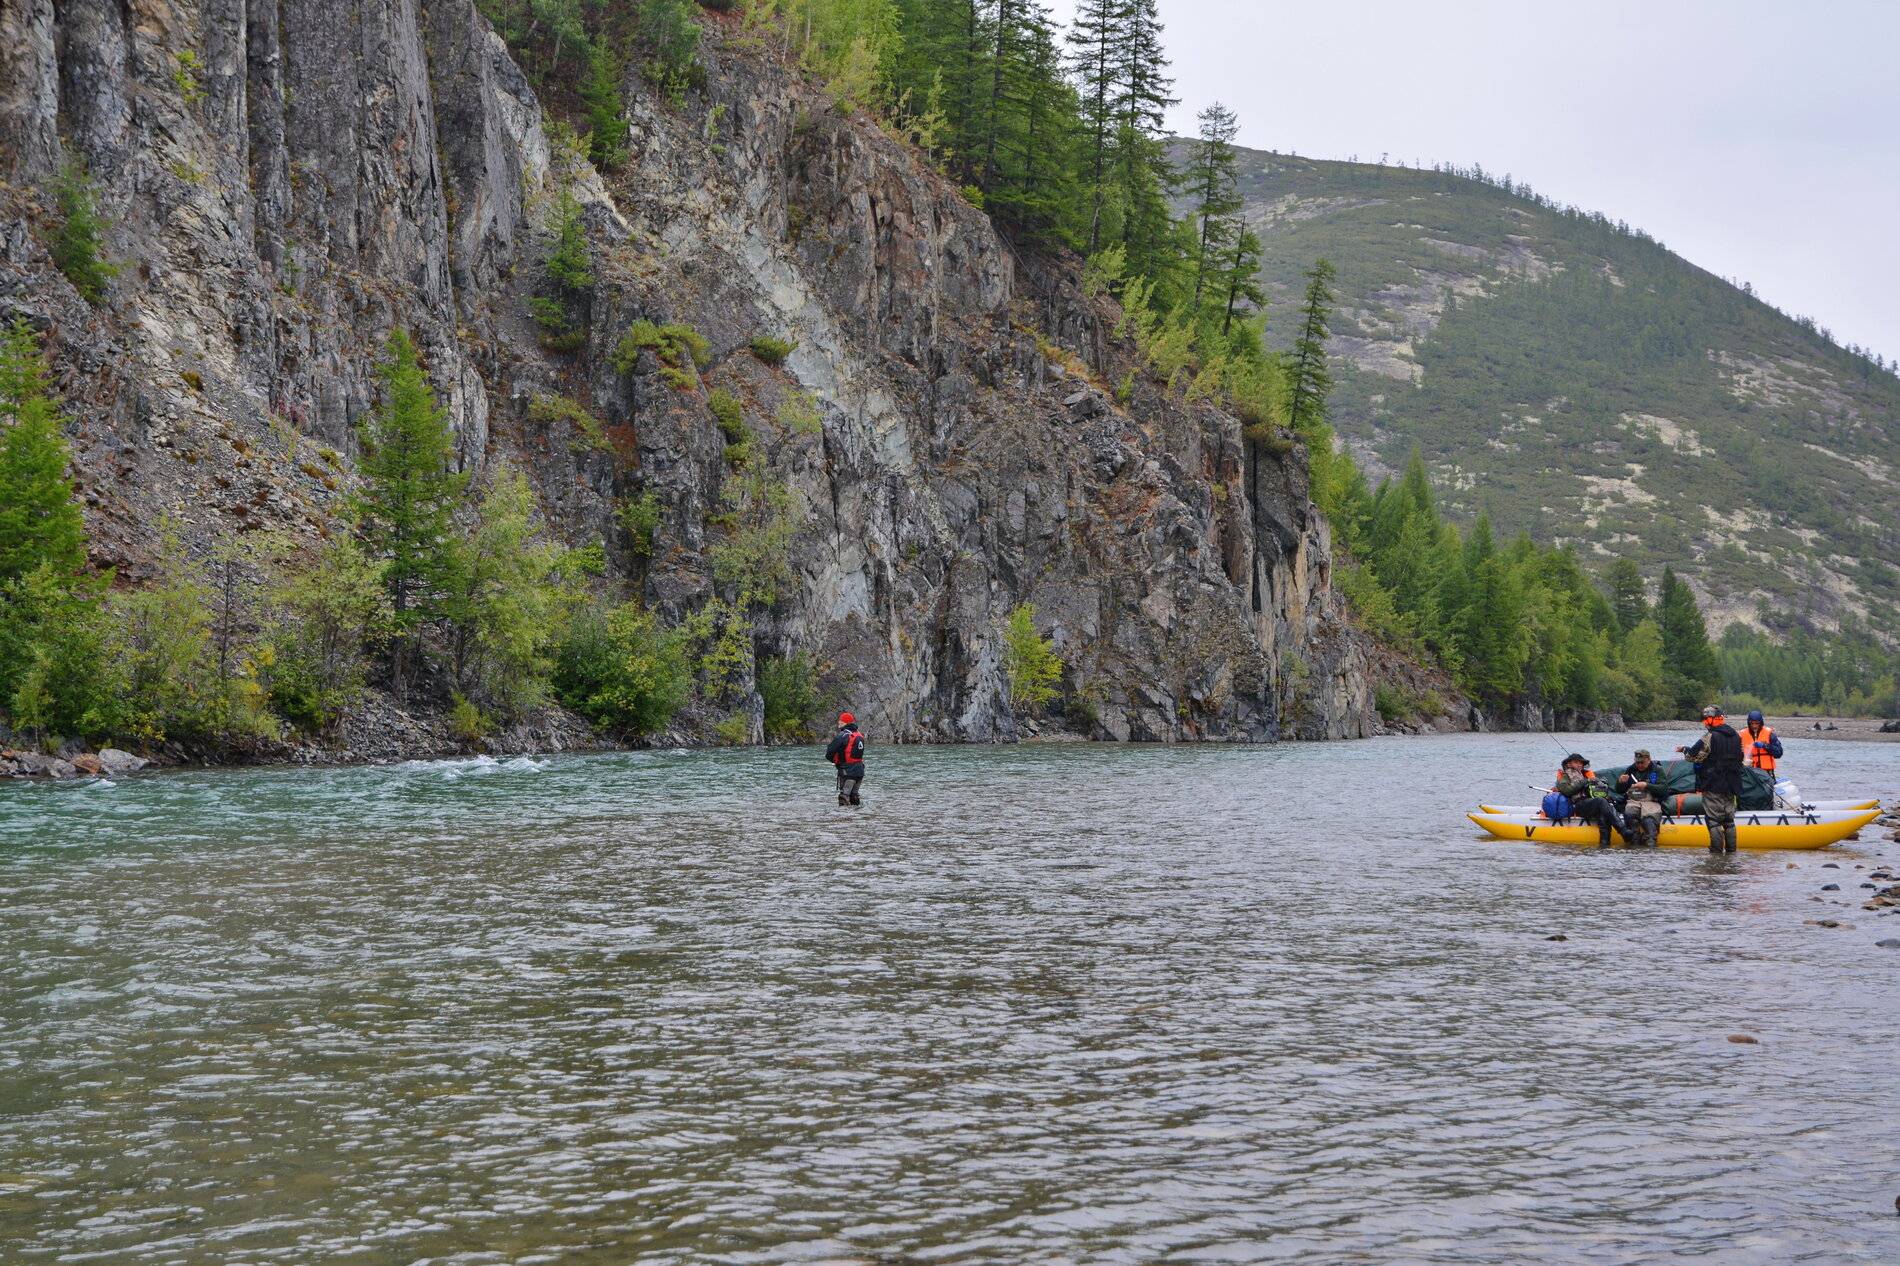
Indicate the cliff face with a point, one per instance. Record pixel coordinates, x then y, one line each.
287 181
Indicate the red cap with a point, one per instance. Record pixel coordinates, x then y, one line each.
845 718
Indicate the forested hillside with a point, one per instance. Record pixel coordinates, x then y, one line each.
1577 380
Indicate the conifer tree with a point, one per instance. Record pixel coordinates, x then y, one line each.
409 496
1628 595
1094 38
607 127
1312 380
40 523
1691 668
1239 279
79 242
1215 187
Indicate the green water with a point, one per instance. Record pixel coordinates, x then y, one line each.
1028 1005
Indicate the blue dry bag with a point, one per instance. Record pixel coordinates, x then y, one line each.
1556 806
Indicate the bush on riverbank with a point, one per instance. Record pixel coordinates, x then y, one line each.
451 597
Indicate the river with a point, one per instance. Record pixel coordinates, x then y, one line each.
1041 1004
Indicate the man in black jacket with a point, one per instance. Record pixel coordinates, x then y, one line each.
846 751
1717 757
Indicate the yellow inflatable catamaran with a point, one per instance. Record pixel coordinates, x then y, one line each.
1757 829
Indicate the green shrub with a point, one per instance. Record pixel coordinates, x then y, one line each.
326 613
798 413
468 722
719 636
1390 703
590 431
789 687
78 242
734 730
771 349
618 668
640 517
728 413
670 32
188 77
1030 662
675 345
754 561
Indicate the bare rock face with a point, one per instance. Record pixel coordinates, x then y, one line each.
285 188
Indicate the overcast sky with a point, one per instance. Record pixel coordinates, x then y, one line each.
1759 140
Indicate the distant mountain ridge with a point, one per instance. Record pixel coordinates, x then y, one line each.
1582 382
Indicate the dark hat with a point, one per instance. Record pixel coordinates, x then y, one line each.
1579 757
1642 753
1754 716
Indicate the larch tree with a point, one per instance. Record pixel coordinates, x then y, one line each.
1312 379
409 497
1215 187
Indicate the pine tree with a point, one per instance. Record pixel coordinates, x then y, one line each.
1239 279
40 523
1215 188
409 496
1094 38
1690 665
1146 178
79 242
606 118
1312 379
1628 595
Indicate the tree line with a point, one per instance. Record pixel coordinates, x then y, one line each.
438 587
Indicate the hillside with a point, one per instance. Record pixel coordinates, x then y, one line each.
1584 383
927 444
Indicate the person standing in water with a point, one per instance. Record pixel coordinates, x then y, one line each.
1717 757
847 753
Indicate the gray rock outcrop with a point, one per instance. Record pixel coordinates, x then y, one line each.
285 187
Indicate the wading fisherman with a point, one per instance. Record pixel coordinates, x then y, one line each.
1642 807
1717 757
1590 798
847 753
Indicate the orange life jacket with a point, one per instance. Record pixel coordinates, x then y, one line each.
1760 760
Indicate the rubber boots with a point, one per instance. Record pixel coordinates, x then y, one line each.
1728 838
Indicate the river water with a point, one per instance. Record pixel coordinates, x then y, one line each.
1046 1004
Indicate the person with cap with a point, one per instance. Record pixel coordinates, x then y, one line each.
846 751
1760 747
1590 798
1642 803
1717 757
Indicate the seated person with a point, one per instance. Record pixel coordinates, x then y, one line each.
1590 798
1642 803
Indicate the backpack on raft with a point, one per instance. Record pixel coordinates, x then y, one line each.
1556 806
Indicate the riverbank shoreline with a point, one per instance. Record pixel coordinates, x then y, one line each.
385 735
1794 729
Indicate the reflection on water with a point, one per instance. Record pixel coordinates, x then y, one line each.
1077 1004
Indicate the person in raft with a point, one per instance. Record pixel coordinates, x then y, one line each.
1642 805
1590 798
847 753
1717 757
1760 747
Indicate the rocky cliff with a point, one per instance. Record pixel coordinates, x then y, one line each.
288 181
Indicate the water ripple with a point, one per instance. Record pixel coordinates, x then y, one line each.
1043 1005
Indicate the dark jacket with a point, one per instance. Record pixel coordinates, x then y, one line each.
1718 761
1627 784
841 746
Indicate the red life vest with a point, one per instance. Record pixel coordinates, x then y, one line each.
853 750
